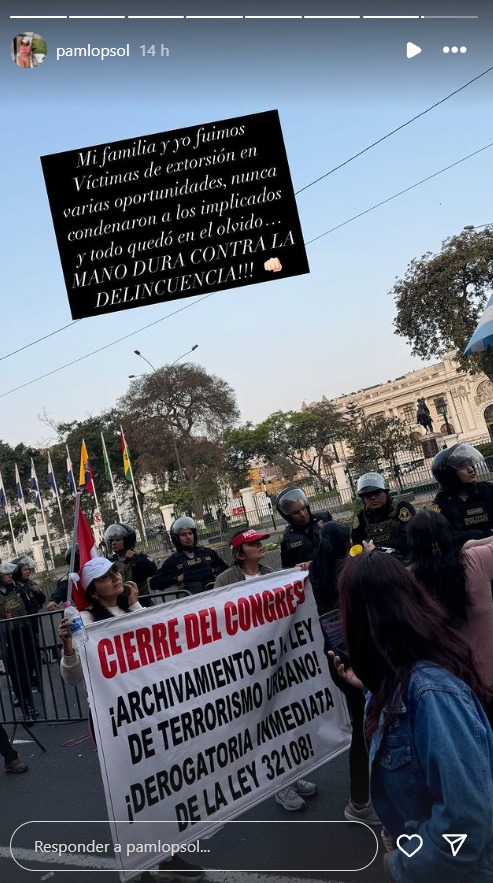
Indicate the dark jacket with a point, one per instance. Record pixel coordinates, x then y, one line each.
470 518
299 543
137 569
386 527
32 596
199 571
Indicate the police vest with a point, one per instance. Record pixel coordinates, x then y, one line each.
11 604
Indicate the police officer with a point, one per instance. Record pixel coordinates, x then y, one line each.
301 537
382 519
466 503
190 566
134 566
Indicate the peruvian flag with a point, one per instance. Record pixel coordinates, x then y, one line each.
87 550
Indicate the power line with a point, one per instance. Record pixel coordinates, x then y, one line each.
206 296
315 181
398 129
395 195
105 347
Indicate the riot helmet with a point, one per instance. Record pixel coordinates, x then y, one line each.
24 559
183 523
370 482
446 463
287 499
121 532
68 555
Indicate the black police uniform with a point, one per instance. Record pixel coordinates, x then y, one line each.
300 542
199 569
137 569
469 513
386 526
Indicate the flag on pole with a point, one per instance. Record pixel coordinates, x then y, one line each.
51 477
85 471
109 475
4 506
33 484
106 461
87 550
70 473
18 491
127 468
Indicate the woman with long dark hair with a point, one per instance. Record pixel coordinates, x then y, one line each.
335 542
431 748
460 580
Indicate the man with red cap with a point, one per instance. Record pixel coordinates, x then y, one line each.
248 552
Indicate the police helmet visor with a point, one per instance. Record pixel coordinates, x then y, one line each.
115 532
294 499
465 455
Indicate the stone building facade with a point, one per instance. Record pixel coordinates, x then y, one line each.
469 400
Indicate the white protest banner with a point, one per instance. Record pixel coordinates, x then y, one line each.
205 706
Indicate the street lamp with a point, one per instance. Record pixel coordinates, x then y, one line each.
470 227
173 437
441 406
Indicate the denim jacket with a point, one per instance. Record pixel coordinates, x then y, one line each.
432 774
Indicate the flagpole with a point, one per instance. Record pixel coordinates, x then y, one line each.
43 513
106 461
82 475
144 536
22 502
7 512
74 544
55 491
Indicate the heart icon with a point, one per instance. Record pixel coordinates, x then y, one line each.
407 846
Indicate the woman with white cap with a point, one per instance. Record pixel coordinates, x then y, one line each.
107 595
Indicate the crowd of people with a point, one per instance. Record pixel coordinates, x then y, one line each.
412 591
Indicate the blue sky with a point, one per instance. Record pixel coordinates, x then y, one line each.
338 86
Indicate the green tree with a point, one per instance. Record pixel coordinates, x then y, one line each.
373 439
442 296
174 420
292 440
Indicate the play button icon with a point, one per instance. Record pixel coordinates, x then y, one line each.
412 50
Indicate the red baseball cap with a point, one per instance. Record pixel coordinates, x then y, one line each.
248 536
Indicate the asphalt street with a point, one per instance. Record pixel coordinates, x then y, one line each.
63 786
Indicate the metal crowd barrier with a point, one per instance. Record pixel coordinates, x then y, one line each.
31 687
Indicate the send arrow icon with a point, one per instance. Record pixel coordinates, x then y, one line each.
455 841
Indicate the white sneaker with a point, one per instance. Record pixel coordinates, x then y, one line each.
289 799
304 788
366 814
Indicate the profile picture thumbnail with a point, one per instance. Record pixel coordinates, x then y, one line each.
28 50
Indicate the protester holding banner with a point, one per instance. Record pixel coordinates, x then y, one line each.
191 566
431 746
460 580
134 566
248 552
302 535
107 595
332 553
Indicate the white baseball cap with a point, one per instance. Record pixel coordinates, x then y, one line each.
95 568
